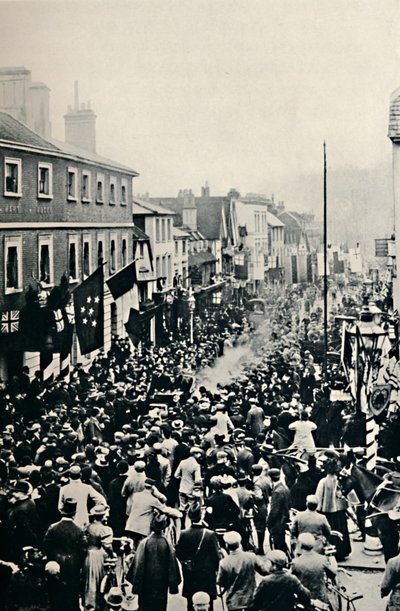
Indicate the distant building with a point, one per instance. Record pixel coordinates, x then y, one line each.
252 221
300 259
157 222
25 100
211 223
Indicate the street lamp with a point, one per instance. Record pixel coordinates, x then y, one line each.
368 342
191 304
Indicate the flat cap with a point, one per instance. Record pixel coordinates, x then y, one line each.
201 598
232 538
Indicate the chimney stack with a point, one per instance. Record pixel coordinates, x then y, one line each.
76 96
80 124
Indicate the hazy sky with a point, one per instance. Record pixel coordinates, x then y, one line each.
240 93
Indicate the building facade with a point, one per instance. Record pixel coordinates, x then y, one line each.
252 220
63 213
156 221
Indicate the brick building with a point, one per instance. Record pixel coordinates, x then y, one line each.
63 210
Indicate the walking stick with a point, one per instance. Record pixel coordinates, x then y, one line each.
220 594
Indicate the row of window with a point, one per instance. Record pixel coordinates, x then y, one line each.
164 268
183 247
163 230
81 259
79 184
260 222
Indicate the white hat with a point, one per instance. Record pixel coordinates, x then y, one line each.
232 537
200 598
306 540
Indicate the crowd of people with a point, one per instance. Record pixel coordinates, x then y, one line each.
132 445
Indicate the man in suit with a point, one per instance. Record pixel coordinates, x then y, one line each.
82 493
65 544
310 521
22 522
199 553
278 516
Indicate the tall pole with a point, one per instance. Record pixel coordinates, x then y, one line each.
325 272
191 327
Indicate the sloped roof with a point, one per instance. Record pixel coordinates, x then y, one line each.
209 215
181 232
83 154
151 208
274 221
138 234
173 203
12 130
290 219
15 132
141 206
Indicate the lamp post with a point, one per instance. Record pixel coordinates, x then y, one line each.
368 341
191 304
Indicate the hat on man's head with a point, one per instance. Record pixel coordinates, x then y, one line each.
277 557
69 507
98 510
275 474
122 467
312 499
177 424
232 538
200 598
22 486
75 471
139 466
159 522
306 540
114 598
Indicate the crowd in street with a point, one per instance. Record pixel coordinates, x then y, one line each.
133 448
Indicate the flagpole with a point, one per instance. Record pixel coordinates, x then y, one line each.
325 273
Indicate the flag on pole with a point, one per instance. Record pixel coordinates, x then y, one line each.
123 281
89 312
9 322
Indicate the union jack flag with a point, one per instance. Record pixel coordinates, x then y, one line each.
59 321
69 308
9 322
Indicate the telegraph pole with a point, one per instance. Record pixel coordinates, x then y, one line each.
325 271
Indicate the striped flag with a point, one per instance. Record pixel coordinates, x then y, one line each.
65 365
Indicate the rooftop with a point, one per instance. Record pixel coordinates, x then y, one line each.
274 221
14 132
146 207
83 154
138 234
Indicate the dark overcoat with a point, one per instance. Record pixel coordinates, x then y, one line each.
203 575
155 573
